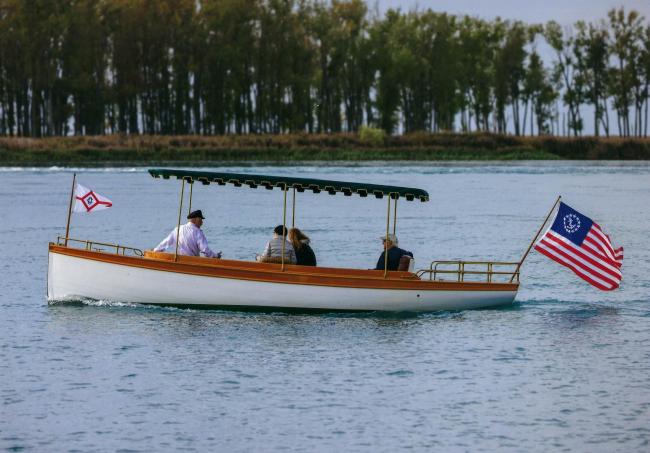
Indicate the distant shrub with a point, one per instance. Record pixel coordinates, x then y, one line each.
372 136
369 144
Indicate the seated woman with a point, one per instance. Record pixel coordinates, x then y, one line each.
305 256
273 250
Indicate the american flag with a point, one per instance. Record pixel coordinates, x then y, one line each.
577 242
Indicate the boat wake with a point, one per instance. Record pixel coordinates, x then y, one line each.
83 301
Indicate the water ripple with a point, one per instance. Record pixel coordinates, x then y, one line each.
565 368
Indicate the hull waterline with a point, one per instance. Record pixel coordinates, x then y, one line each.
75 274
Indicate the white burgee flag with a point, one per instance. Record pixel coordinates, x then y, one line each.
88 201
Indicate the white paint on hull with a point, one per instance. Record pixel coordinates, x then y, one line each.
72 277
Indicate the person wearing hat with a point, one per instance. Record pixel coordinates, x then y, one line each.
192 242
395 253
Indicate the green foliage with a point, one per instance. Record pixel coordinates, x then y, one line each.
372 136
626 86
93 67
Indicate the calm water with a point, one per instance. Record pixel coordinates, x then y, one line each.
567 368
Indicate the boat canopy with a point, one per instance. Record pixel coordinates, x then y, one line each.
285 182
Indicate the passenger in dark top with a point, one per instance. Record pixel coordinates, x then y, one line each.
305 256
394 254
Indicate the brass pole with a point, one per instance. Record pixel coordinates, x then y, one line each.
395 216
293 214
386 242
284 228
67 227
178 225
191 187
535 238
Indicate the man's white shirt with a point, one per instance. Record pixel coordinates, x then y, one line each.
192 243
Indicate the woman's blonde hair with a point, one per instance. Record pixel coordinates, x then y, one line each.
296 236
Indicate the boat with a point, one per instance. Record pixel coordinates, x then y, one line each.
81 269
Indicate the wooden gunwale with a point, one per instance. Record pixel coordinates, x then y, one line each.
268 272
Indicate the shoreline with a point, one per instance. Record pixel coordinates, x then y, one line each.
342 164
290 149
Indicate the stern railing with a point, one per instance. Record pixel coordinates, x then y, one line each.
473 271
94 246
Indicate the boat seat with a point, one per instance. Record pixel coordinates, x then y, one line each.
274 267
273 259
406 264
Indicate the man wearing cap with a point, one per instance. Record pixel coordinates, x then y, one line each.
192 242
394 253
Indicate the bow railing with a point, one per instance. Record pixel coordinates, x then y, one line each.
472 271
96 246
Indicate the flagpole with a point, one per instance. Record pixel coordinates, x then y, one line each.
535 238
67 228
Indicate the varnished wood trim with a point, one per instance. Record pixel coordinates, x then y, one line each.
276 267
267 272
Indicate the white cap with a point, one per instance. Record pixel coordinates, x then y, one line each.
391 237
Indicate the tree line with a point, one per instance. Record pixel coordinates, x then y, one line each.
89 67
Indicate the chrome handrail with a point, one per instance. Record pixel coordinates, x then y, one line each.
89 245
461 270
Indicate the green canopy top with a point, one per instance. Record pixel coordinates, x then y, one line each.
300 184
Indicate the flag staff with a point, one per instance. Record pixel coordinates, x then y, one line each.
535 238
67 227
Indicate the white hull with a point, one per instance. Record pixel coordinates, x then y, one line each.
73 277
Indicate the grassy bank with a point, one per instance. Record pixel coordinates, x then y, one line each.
202 150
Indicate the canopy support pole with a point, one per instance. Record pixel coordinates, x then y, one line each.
386 240
395 216
284 228
67 227
178 225
293 214
535 239
189 209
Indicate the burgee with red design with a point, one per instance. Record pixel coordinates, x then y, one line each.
87 200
